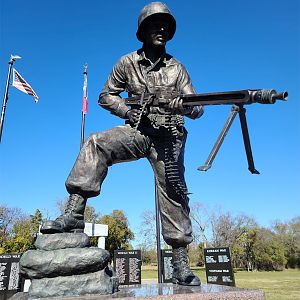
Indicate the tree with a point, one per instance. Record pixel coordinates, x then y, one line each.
196 254
23 232
119 233
268 251
147 232
294 253
147 237
247 241
8 216
149 256
200 220
289 234
61 205
234 232
90 214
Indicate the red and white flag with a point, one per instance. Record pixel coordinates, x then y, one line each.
20 83
85 95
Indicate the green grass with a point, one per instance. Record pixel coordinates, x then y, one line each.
283 285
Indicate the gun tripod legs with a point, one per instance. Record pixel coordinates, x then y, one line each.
220 139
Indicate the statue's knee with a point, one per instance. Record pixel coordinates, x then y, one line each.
94 139
183 239
178 239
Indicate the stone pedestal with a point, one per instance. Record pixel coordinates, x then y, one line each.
169 291
64 265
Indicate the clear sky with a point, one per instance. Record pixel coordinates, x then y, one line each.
225 45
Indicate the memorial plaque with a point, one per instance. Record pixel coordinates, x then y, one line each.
128 264
167 265
218 266
9 275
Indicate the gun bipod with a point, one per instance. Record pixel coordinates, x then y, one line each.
235 109
246 138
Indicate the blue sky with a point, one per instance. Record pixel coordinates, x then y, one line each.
225 45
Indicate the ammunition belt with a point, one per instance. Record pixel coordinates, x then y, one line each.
165 120
174 176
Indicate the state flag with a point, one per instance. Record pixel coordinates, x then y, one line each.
85 96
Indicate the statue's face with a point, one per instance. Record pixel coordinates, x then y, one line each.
156 31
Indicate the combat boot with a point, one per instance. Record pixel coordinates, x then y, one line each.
71 221
182 274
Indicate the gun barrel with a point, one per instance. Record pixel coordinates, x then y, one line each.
267 96
281 96
240 97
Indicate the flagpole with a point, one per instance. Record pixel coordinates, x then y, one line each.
13 58
158 246
83 113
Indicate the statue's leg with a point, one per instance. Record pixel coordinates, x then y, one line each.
167 160
99 151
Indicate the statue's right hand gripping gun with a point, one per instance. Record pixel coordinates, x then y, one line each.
236 98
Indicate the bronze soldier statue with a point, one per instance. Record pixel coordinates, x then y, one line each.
155 133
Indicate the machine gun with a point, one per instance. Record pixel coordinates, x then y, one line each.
236 98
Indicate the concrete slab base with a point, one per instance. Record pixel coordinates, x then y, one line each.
168 291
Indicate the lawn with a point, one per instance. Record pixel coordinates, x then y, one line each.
283 285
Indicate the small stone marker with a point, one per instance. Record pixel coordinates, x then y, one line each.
167 265
128 264
218 266
9 275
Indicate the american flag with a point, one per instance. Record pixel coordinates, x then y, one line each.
85 94
20 83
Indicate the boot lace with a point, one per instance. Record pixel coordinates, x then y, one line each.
71 204
181 263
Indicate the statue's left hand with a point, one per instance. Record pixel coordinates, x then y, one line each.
133 115
176 107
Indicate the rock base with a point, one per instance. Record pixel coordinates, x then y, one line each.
101 282
64 265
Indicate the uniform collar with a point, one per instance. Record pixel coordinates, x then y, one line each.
150 66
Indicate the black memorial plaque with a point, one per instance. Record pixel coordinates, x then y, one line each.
9 275
167 265
218 266
128 264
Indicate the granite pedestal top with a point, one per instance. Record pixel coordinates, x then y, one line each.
169 291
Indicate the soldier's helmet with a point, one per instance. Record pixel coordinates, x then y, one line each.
148 11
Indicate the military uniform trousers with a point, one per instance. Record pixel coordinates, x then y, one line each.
124 143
